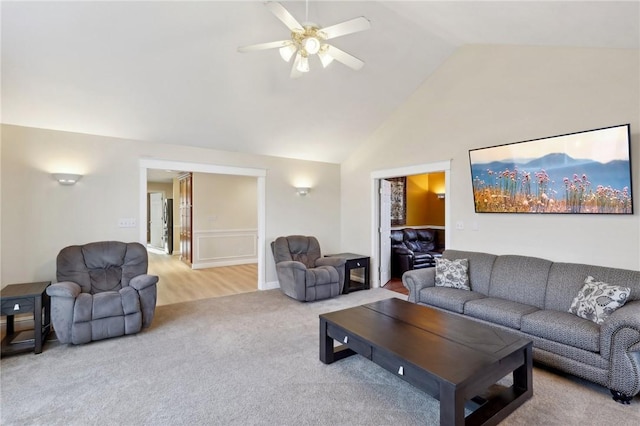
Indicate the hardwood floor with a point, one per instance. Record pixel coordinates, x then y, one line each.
395 284
179 283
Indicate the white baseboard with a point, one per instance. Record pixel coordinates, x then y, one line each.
271 285
228 262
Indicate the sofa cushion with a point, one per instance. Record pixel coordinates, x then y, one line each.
563 327
566 279
452 273
480 265
520 279
451 299
597 300
500 311
412 245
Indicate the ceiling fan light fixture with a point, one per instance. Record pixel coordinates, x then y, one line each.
325 58
311 45
287 52
303 63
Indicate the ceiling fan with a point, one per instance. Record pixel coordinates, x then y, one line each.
308 39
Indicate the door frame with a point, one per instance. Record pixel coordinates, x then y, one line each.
260 174
376 175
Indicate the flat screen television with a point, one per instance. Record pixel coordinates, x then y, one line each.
587 172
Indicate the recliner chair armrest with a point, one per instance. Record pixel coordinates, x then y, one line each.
143 281
336 262
293 264
64 289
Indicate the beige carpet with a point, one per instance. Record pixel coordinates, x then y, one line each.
250 359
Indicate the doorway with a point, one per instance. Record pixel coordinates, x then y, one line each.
259 174
380 233
155 222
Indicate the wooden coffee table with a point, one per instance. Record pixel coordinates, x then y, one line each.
451 358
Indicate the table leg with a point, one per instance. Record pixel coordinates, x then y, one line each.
326 344
451 406
523 375
367 283
10 328
37 324
347 279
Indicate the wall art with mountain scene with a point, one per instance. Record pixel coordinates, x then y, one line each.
585 173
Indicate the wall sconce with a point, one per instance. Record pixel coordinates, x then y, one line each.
440 195
66 178
302 191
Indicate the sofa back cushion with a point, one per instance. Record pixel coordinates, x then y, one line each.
520 279
480 265
566 280
101 266
299 248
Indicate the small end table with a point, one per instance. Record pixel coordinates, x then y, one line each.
21 299
354 261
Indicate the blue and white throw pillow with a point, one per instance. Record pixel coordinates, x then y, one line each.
597 300
452 273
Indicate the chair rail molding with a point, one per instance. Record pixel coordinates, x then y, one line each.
224 247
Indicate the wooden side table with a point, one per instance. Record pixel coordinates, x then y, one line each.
354 261
21 299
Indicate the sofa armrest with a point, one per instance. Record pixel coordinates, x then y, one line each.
417 279
620 344
402 250
628 316
141 282
64 289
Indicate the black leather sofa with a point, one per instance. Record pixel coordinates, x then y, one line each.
413 249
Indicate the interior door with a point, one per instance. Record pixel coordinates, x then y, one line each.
156 223
186 217
385 231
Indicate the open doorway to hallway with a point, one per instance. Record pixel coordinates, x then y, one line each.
223 235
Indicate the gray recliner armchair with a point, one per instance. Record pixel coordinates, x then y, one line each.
302 271
103 291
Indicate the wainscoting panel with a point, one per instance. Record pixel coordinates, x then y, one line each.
224 247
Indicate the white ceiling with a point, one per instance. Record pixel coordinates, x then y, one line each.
169 72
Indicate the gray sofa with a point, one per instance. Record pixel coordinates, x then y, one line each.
531 297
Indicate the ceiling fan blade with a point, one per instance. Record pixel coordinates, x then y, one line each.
264 46
347 27
283 14
342 56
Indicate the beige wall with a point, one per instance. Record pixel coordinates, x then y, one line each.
224 202
40 216
488 95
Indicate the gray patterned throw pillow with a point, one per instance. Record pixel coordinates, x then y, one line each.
597 300
452 273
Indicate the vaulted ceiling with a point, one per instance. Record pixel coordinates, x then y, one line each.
169 72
